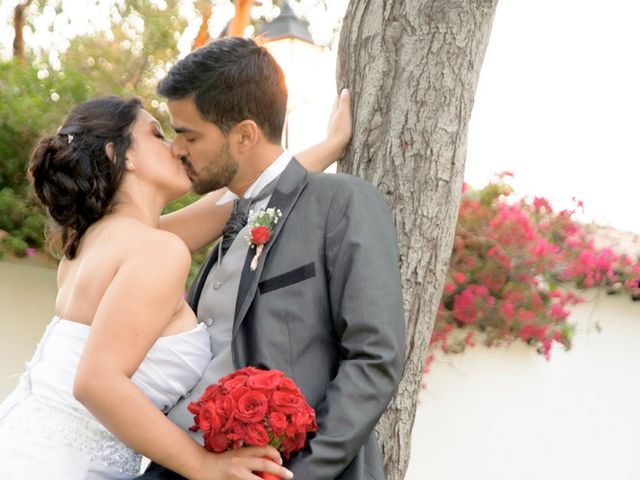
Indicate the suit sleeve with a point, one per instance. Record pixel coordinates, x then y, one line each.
368 316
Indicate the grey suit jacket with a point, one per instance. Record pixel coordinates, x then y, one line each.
325 307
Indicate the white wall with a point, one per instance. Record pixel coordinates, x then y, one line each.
27 296
488 414
557 104
506 413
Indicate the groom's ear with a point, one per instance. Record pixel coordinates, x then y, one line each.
245 135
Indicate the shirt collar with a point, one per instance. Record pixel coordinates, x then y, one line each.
270 174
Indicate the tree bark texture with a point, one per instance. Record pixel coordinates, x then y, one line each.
412 68
241 19
203 32
18 27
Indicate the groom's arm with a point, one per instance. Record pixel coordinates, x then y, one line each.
366 302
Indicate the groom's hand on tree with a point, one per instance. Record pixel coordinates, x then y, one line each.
340 124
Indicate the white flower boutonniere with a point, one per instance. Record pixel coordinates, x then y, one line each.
261 227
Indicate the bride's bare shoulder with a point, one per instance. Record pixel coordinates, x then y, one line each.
151 242
135 241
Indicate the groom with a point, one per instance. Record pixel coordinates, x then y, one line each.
324 302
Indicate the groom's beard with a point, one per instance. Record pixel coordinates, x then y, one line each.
216 174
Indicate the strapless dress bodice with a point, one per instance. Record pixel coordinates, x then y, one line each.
42 406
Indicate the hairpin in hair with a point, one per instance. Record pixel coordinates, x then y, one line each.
69 132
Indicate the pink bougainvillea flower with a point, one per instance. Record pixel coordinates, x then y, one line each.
508 259
459 277
539 203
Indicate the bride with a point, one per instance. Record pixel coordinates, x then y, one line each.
123 346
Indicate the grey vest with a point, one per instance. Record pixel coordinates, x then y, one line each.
216 310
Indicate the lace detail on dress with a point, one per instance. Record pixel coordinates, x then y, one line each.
39 417
42 406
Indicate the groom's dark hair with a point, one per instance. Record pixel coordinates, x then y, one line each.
231 80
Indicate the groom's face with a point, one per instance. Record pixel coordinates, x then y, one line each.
202 146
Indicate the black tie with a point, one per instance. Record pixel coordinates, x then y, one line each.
239 214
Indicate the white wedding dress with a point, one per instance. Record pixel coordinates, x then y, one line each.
45 433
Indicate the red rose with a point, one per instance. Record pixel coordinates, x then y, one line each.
285 402
314 424
257 435
278 423
206 418
216 442
304 421
210 392
194 407
251 407
267 380
288 446
260 235
301 439
238 373
237 434
225 406
210 415
291 430
288 385
233 383
250 371
237 393
293 444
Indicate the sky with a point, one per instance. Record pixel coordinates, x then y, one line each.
557 103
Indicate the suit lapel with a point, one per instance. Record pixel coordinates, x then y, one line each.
288 189
193 298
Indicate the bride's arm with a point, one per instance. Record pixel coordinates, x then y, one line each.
138 305
199 223
202 222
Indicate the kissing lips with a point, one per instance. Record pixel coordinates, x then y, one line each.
188 167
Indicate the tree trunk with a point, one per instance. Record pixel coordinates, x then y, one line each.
412 67
203 33
18 26
241 19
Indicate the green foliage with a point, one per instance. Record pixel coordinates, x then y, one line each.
9 204
33 102
17 246
197 258
509 262
188 199
35 97
22 219
27 109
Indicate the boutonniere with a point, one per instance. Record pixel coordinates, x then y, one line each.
260 229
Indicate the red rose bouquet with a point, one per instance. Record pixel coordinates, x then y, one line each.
255 408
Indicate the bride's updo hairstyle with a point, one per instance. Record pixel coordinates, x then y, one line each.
71 173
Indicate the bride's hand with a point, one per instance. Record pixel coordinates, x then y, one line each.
239 464
340 123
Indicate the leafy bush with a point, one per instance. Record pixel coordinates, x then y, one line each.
35 96
22 220
508 265
30 105
197 257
